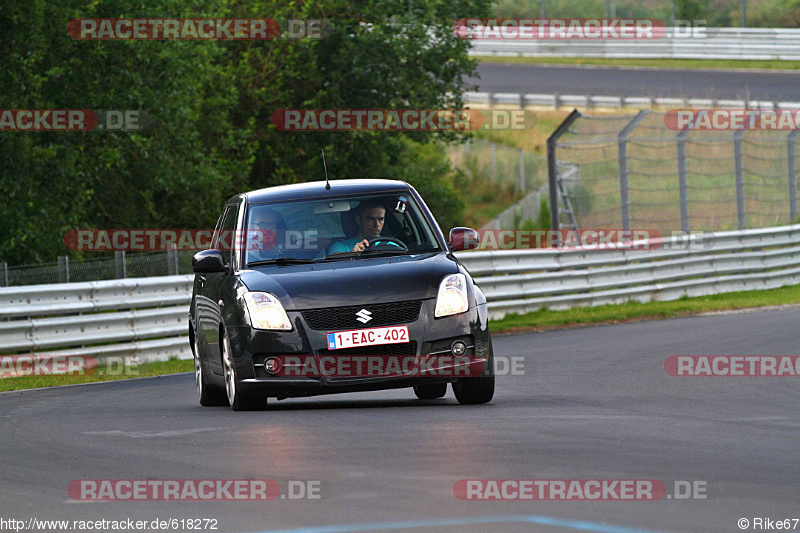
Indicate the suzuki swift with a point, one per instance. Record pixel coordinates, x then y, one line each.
347 286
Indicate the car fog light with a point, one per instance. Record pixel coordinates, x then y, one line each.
272 365
458 348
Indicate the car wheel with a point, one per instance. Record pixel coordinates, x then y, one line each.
470 391
208 395
430 391
238 400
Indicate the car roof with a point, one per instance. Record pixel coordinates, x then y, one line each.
316 189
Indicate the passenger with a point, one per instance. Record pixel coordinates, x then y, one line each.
266 235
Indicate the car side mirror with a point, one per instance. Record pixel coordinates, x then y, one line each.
463 239
208 261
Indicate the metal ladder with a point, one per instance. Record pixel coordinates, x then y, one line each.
564 195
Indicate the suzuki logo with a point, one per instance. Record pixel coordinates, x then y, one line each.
364 316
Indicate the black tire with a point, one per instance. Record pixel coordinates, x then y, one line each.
237 399
430 391
209 395
471 391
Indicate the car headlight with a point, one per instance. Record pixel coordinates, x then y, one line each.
452 298
266 311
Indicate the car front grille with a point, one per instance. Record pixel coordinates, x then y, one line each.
338 318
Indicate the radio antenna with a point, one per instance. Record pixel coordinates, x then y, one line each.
325 166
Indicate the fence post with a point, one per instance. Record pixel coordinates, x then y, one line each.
63 269
624 193
494 162
521 171
5 274
737 153
790 146
683 186
466 159
120 266
552 168
172 260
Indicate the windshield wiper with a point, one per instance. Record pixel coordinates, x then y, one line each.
372 251
282 261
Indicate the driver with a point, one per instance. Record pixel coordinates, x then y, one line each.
370 216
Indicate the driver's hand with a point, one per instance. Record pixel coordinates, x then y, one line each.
361 246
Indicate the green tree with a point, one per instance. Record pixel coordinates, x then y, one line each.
211 104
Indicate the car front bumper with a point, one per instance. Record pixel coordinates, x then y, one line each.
427 336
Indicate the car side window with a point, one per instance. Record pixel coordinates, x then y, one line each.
224 238
217 228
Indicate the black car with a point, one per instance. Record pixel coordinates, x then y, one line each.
320 288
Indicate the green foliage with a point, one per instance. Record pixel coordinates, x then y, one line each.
776 14
427 169
211 104
691 9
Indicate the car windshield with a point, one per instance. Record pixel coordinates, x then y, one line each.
330 229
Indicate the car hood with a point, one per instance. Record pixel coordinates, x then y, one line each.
352 282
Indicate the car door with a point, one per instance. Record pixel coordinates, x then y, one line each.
213 285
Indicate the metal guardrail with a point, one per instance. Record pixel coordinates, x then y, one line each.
710 43
557 101
146 318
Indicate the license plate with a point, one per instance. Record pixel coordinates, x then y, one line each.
367 337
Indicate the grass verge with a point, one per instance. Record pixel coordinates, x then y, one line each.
157 368
610 314
683 64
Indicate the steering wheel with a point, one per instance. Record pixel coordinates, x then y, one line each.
398 242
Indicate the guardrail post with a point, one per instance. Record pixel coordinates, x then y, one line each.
737 153
683 186
63 269
790 149
172 260
4 272
624 193
494 162
521 171
119 264
552 168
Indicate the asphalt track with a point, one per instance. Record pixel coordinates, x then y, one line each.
608 81
595 403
